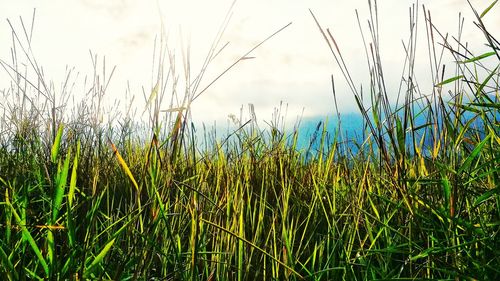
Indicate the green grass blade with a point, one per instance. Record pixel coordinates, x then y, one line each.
57 144
254 246
447 81
27 236
70 197
98 259
400 133
60 184
50 249
72 183
480 57
241 253
488 9
463 130
8 266
490 75
487 105
33 276
487 195
468 161
61 179
446 191
8 216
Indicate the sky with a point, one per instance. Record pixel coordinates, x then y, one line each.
293 67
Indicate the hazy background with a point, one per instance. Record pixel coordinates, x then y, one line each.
293 67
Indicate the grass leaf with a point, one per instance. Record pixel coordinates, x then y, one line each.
61 180
72 182
480 57
8 266
488 9
490 75
468 161
98 259
152 96
57 144
123 164
447 81
254 246
27 236
71 194
485 196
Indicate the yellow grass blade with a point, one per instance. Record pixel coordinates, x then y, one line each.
175 109
152 96
51 227
254 246
123 164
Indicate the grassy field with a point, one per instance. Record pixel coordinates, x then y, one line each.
119 200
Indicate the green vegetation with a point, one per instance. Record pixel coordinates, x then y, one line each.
84 199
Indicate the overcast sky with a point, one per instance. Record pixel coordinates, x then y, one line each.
293 67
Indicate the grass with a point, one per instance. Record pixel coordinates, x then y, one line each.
416 199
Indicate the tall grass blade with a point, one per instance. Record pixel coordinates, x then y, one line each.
468 161
60 185
487 105
61 180
98 259
70 197
488 8
124 165
480 57
254 246
57 144
7 266
27 236
72 183
490 75
448 81
487 195
152 96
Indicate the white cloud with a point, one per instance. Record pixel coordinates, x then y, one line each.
293 67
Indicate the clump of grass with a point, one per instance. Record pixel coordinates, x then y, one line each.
416 198
435 157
